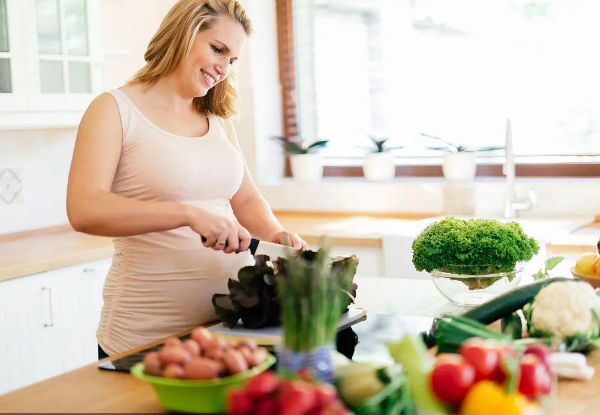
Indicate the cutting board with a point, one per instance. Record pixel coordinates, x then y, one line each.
271 336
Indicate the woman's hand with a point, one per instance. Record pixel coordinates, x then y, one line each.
218 232
289 239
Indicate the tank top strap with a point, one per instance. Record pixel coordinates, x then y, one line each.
124 111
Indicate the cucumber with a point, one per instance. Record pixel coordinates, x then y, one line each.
506 304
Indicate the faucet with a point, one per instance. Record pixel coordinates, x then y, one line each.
512 205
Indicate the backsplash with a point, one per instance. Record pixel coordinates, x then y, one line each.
34 167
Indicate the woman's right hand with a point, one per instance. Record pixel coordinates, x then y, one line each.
218 232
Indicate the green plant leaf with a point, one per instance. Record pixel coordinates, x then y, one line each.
318 144
446 149
552 262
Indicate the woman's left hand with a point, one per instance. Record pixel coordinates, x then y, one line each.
289 239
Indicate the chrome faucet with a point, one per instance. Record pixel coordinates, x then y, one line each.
512 205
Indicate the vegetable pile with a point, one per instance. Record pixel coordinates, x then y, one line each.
472 247
484 377
253 298
203 356
270 394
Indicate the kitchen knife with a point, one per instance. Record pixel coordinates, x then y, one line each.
273 251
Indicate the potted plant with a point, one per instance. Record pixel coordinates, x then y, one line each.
459 161
306 162
378 165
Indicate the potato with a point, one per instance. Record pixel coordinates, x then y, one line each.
214 353
174 355
201 368
192 347
172 342
258 357
152 364
235 361
174 371
246 352
217 341
251 344
202 336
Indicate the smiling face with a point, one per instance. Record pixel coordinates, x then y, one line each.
213 53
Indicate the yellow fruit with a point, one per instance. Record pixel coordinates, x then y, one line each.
596 267
586 264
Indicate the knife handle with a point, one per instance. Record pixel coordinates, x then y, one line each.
253 244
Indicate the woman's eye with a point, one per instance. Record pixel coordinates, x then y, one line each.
216 49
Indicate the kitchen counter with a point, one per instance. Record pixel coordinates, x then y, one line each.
89 389
42 250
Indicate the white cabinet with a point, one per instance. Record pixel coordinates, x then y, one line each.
48 323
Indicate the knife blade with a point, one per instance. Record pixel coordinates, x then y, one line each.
272 250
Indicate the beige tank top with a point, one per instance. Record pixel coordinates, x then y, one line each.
162 283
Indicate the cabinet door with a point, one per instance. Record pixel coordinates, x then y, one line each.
28 345
78 312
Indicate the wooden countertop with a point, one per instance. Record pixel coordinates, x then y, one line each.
27 253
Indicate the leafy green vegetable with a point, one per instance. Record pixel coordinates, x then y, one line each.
253 298
472 246
549 265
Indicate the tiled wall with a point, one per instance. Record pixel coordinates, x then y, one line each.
34 167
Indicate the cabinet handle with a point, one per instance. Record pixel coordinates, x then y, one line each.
51 318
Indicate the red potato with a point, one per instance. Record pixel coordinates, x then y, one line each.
202 336
214 353
235 362
216 341
251 344
152 364
192 347
259 356
247 353
174 355
172 342
201 368
174 371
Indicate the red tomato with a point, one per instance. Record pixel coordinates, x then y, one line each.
263 384
451 379
534 378
296 398
239 402
483 356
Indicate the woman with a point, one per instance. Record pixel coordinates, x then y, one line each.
157 166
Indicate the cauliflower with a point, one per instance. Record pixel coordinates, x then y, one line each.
564 309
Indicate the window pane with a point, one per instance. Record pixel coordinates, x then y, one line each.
76 27
79 77
3 27
48 26
51 76
5 81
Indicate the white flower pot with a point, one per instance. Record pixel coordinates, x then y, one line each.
379 167
459 167
307 167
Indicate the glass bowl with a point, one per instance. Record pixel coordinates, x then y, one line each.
461 284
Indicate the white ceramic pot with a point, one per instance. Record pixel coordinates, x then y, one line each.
379 167
459 167
307 167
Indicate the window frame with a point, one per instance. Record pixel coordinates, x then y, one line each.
27 106
287 76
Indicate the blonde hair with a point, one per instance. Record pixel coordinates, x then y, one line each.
172 43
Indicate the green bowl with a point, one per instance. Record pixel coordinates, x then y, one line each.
197 396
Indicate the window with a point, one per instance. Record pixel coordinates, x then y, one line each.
50 59
411 69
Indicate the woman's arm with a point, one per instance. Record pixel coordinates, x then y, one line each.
253 211
91 207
